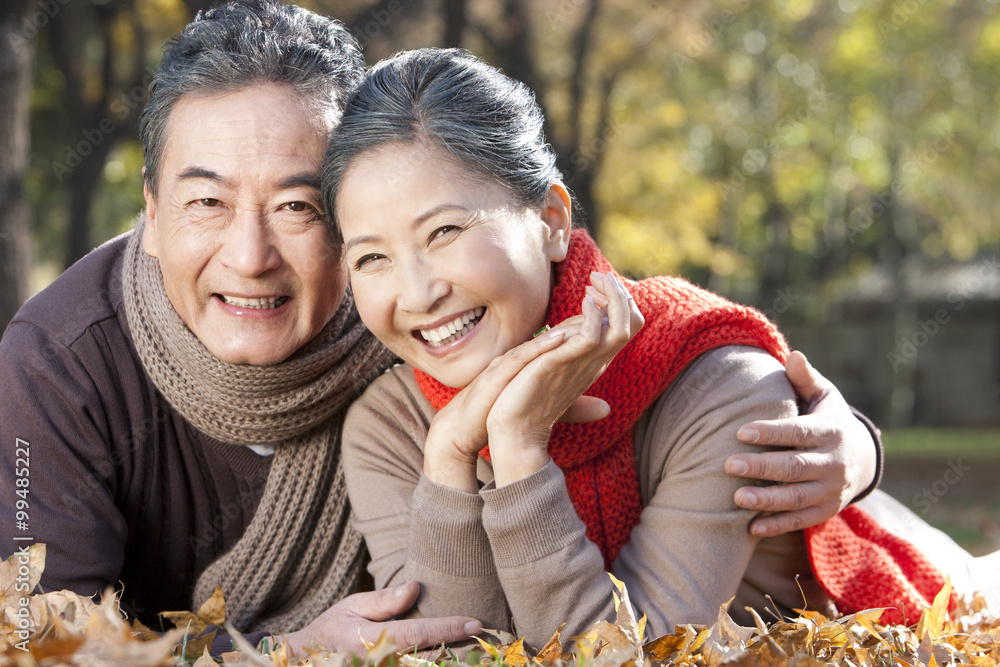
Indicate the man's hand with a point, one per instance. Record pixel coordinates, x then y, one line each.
366 616
833 458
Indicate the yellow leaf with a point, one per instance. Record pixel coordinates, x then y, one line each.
625 618
932 620
514 654
489 648
867 618
552 651
381 649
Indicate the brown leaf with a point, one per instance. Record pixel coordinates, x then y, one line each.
552 651
205 660
213 611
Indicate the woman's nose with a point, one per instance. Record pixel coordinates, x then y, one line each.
420 287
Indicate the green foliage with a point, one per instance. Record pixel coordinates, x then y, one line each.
748 144
821 134
942 443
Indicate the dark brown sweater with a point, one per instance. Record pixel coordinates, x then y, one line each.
122 490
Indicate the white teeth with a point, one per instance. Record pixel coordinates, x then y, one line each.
265 303
452 331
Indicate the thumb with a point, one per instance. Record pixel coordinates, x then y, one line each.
809 385
586 409
386 603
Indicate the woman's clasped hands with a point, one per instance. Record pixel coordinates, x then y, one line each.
513 403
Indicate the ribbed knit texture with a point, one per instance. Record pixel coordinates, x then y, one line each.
299 555
863 566
682 322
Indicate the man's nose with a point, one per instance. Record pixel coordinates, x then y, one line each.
250 248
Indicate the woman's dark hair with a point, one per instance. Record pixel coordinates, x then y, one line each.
450 99
244 43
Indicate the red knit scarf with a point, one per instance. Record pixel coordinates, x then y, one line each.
858 563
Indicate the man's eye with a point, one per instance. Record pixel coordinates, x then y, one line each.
208 201
371 257
299 206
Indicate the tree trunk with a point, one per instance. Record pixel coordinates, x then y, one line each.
16 55
83 182
454 22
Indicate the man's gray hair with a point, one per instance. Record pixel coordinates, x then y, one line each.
244 43
450 99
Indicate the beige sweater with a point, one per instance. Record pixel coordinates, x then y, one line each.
517 558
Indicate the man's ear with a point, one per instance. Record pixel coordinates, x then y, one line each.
150 242
557 214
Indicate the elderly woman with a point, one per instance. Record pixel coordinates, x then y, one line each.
458 237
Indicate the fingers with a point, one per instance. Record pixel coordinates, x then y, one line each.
624 318
809 385
787 466
790 507
802 431
586 409
786 522
780 498
384 604
487 386
424 632
619 311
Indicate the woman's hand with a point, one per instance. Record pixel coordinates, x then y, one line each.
833 458
523 392
520 422
458 431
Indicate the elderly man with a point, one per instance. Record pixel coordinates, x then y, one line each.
176 397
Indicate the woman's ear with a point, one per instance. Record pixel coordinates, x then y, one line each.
557 214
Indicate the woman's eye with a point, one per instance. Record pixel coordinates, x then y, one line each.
441 231
371 257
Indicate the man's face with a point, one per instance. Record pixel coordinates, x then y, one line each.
237 223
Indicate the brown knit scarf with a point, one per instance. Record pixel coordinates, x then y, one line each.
299 555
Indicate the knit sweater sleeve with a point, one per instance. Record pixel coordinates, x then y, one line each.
691 547
416 530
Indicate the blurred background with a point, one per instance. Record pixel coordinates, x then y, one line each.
836 164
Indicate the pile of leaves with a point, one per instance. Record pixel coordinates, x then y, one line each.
62 628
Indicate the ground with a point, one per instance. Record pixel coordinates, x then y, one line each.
950 479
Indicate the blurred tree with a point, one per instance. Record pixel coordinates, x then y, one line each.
16 52
796 143
106 69
766 148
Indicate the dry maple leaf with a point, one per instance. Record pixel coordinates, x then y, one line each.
67 629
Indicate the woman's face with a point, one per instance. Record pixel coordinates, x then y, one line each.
448 270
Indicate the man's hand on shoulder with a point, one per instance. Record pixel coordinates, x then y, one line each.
832 458
366 615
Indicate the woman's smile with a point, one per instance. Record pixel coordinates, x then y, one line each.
452 330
